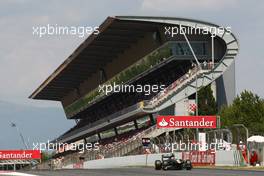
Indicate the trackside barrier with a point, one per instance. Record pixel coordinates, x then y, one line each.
222 158
78 165
229 158
200 158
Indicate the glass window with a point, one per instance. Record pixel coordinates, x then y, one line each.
126 128
143 122
93 138
107 134
182 48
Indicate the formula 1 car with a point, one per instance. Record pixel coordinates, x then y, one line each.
168 162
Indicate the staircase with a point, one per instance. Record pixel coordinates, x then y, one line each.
189 84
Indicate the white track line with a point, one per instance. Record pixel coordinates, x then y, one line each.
15 174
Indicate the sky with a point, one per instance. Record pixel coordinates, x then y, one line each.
26 60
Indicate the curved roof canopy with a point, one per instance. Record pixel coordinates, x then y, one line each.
116 34
96 51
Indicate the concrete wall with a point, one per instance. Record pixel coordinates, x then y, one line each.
223 158
181 107
229 158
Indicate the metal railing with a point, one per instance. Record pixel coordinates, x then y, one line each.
178 84
133 144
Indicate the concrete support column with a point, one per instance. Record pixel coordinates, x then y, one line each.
181 108
116 131
136 125
152 119
213 88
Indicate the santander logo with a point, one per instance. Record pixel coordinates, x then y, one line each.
163 123
171 121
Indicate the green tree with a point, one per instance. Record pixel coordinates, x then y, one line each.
45 156
247 109
206 101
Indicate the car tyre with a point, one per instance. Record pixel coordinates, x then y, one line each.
158 165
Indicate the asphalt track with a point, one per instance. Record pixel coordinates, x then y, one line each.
146 172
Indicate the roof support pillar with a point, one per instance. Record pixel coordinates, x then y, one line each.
212 49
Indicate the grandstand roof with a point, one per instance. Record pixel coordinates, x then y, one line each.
116 34
96 51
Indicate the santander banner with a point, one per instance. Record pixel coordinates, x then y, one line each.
19 154
186 122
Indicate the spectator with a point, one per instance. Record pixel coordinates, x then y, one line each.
253 158
204 64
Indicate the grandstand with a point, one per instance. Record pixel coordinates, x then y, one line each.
137 51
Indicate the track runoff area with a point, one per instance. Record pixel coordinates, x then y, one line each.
144 172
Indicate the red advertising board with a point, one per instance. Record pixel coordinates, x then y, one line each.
78 165
19 154
200 158
186 122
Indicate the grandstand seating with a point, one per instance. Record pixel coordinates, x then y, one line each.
119 101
